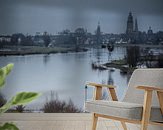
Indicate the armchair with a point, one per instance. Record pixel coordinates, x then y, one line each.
138 107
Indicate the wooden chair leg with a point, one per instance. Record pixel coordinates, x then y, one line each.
146 110
160 98
124 125
144 126
94 122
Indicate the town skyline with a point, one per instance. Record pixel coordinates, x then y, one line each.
55 16
93 31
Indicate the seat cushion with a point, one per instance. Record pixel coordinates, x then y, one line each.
125 110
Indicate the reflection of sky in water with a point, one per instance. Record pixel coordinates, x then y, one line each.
64 73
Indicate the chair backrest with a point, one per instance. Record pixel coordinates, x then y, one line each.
146 77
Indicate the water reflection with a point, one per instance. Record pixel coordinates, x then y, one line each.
98 55
46 58
64 73
110 78
110 49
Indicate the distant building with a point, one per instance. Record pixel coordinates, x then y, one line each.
151 37
150 31
130 24
136 26
5 38
38 34
98 34
132 31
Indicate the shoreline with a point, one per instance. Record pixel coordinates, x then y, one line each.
140 45
39 50
33 50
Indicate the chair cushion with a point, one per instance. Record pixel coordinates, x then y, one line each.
125 110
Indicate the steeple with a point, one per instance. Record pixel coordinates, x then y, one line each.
99 23
136 25
98 29
150 31
130 23
98 34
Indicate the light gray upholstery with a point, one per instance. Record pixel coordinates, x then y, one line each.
132 103
125 110
146 77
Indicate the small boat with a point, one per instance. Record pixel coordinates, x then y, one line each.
112 69
102 67
103 46
124 70
99 66
110 47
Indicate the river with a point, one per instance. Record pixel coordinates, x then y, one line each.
64 73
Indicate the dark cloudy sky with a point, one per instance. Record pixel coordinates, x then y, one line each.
30 16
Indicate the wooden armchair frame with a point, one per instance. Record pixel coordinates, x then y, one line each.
146 106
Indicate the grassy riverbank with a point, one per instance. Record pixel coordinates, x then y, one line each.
38 50
140 45
118 64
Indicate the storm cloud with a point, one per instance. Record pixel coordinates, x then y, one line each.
30 16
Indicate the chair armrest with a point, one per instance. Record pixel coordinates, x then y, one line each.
99 85
98 90
149 88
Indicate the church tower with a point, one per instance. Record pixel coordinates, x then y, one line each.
130 24
98 34
136 26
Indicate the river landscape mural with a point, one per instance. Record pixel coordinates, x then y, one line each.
56 47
